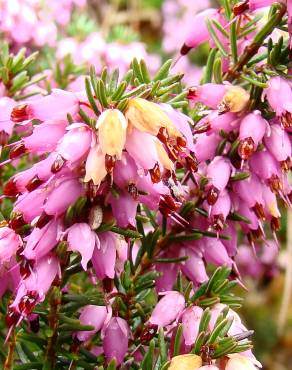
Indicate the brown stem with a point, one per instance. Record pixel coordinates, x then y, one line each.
8 365
253 48
55 303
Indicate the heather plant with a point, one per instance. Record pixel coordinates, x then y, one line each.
129 199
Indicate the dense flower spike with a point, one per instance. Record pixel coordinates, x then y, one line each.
131 204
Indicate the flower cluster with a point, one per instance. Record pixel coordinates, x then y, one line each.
136 203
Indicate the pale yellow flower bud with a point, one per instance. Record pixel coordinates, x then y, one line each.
163 156
239 362
112 131
148 117
185 362
235 99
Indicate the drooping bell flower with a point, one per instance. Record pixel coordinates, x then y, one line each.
205 146
94 316
30 204
220 210
63 194
45 136
251 131
105 254
235 99
190 319
257 4
264 165
279 95
218 173
199 31
185 362
112 129
54 106
82 239
239 362
145 155
76 143
250 191
41 241
194 267
116 338
209 94
9 243
30 179
124 209
279 145
33 289
167 309
215 252
149 117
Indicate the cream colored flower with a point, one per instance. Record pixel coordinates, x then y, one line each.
112 131
185 362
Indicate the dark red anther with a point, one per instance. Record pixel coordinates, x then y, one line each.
10 188
133 191
212 195
168 205
12 317
28 302
218 222
17 221
108 284
240 7
3 137
25 268
181 142
192 163
148 333
286 165
286 120
43 220
58 164
259 211
19 113
17 151
155 174
275 184
192 93
33 183
34 324
275 224
185 49
110 161
163 135
246 148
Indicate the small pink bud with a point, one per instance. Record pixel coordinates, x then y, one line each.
115 342
167 309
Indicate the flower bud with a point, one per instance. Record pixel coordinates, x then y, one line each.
238 362
94 316
191 321
252 129
167 309
115 343
148 117
235 99
112 129
185 362
199 31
